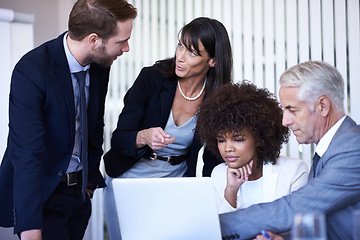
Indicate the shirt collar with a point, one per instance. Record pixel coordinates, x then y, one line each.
324 142
74 66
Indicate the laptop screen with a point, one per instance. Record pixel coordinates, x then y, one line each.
166 208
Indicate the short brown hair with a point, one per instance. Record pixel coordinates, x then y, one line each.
98 16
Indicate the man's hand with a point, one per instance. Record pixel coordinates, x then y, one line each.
34 234
272 235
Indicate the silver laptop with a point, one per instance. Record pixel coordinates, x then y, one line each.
166 209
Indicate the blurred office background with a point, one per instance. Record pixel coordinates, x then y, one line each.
267 37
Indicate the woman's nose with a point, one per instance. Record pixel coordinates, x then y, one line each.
228 146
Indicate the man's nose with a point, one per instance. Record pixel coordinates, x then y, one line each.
286 120
126 47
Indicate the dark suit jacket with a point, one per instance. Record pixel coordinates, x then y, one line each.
335 191
147 104
42 132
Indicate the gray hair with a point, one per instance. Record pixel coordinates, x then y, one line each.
315 79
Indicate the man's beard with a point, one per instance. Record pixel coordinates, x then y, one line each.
101 58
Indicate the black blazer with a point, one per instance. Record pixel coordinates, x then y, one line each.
147 104
42 132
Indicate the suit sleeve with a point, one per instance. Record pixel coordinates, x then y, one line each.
131 118
210 161
26 138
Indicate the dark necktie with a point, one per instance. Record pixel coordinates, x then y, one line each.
315 161
80 76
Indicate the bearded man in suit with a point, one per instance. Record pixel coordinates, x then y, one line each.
45 182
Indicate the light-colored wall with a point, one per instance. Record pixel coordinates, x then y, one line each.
51 16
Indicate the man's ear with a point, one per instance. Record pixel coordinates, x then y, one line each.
93 39
212 62
324 105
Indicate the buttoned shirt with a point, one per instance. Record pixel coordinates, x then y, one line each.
75 162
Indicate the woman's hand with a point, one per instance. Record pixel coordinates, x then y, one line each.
156 138
235 178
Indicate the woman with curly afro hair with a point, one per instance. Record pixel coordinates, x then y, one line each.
242 125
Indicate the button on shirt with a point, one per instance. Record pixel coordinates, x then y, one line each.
75 162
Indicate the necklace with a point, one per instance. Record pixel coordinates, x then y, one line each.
196 97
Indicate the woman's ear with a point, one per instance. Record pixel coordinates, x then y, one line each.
212 62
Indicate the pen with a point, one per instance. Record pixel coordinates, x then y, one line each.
265 234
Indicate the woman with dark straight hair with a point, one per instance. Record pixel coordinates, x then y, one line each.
155 135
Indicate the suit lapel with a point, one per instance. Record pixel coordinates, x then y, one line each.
270 179
167 98
347 123
93 105
63 76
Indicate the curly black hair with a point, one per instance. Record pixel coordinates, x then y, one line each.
236 107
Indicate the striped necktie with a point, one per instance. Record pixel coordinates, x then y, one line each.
80 76
315 162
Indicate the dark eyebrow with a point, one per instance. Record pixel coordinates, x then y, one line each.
288 107
238 135
121 41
